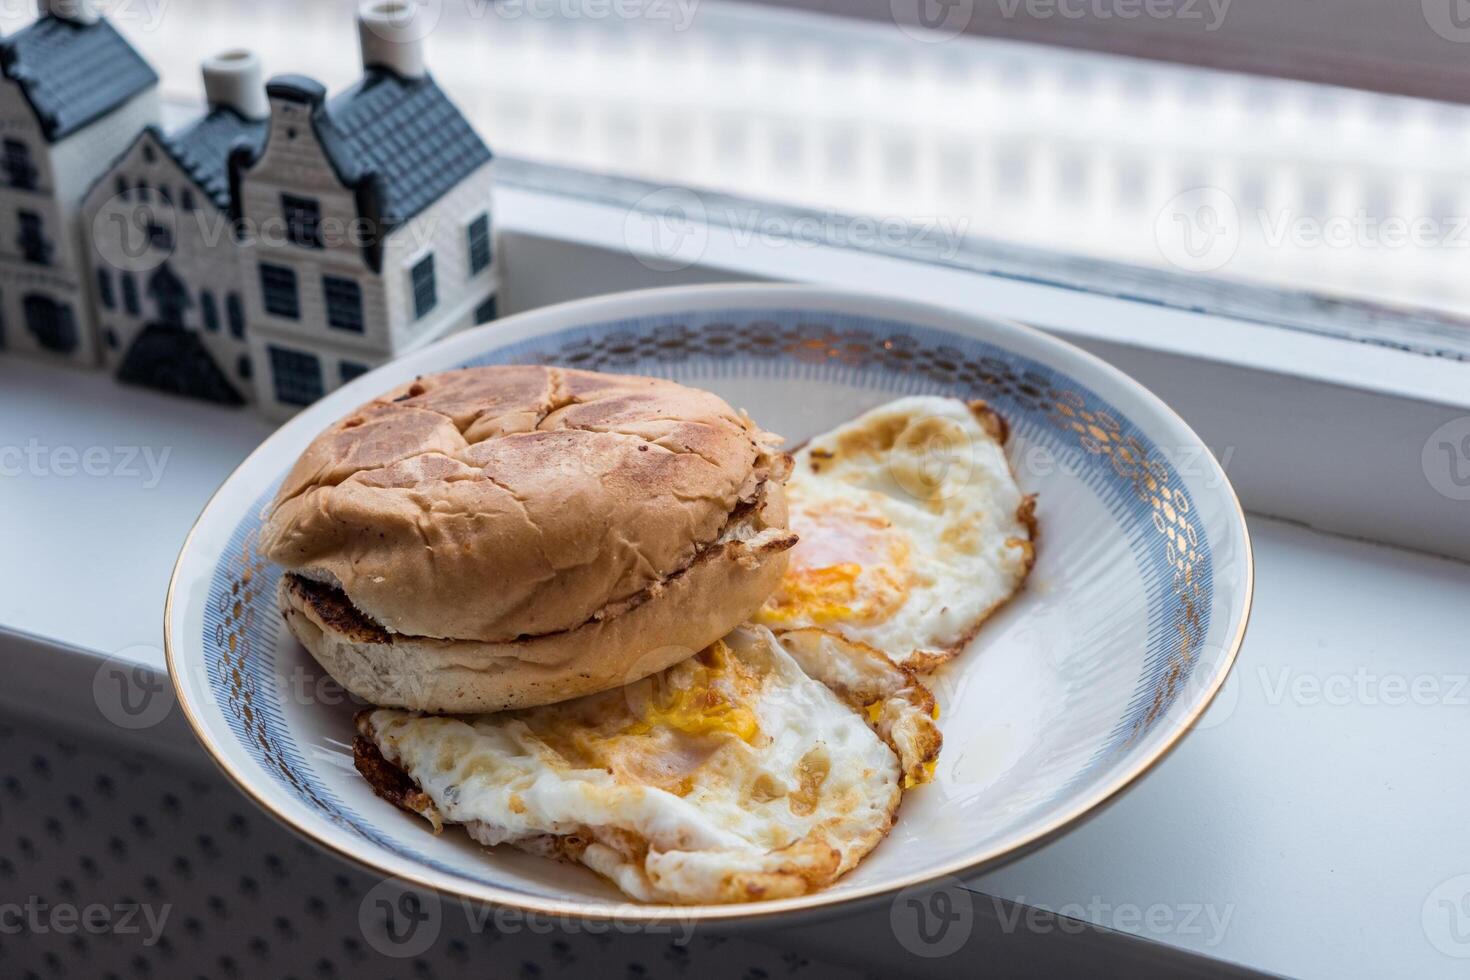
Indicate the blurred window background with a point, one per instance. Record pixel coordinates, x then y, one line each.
1069 147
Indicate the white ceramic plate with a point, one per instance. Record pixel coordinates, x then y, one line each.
1128 626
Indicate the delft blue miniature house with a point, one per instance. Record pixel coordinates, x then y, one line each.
73 94
165 263
285 243
381 196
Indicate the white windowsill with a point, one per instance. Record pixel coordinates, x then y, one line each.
1315 429
1323 827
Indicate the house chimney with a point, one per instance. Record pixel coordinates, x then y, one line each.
76 11
392 36
233 80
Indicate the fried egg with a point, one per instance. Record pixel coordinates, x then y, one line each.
732 776
912 530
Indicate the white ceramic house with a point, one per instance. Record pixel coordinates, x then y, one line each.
73 94
165 263
367 220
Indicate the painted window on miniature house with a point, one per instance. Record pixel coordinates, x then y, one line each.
303 220
243 367
347 370
34 247
235 312
209 310
425 290
104 290
479 235
122 188
485 312
160 236
19 170
51 323
186 200
278 289
344 303
130 293
297 376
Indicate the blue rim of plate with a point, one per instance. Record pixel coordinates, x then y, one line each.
1130 476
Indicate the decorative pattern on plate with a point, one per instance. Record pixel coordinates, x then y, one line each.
997 377
1130 476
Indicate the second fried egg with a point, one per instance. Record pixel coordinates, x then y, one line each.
912 530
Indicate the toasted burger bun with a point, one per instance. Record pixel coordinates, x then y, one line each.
675 620
510 536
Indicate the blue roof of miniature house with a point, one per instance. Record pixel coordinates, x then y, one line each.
407 132
403 132
73 74
203 149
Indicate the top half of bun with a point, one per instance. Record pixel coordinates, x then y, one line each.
500 502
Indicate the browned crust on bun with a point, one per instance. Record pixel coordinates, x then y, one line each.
678 616
496 503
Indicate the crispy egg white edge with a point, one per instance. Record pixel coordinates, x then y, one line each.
695 841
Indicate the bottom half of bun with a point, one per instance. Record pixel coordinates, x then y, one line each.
725 583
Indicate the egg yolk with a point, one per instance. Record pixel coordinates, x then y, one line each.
926 776
848 566
689 699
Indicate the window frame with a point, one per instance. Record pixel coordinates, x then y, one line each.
279 357
21 172
479 247
209 311
284 311
132 301
303 217
32 226
160 236
416 297
235 314
1397 46
1351 399
105 294
355 323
